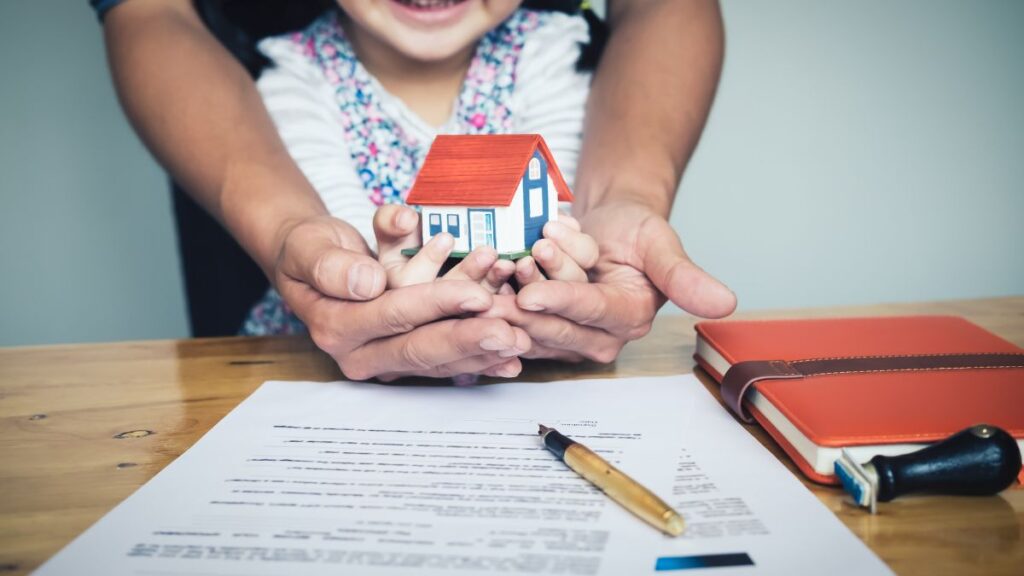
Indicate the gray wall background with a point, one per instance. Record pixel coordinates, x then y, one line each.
87 245
858 152
863 152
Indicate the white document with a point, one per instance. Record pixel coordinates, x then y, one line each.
368 479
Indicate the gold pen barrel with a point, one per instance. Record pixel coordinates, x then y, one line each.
623 489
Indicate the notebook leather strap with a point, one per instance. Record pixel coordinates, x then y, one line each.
740 376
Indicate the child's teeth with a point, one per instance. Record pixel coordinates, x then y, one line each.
429 3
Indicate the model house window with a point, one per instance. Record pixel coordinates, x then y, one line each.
534 168
536 202
453 225
435 224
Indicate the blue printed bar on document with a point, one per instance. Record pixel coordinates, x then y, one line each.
667 563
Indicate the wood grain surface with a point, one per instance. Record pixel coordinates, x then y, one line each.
83 426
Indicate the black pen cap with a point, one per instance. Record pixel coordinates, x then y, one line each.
555 441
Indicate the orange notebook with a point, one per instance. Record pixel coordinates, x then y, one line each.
871 413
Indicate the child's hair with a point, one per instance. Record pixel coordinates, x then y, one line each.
241 24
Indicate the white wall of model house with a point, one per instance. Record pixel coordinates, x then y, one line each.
508 221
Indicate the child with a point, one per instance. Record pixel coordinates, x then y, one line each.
360 93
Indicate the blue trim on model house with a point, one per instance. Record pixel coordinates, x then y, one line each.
453 225
435 224
532 227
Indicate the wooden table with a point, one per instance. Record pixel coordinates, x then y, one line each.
83 426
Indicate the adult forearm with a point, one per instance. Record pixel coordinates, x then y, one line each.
198 111
650 99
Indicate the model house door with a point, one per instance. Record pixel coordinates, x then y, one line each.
481 228
535 199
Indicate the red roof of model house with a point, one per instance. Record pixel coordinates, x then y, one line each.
480 170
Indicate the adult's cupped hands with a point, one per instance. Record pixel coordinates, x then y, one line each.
329 277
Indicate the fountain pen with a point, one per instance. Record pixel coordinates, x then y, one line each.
621 488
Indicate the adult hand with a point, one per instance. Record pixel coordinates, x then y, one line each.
641 262
327 275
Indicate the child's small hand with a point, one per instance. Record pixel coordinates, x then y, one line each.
396 228
565 253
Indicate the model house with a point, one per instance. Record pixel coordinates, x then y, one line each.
493 190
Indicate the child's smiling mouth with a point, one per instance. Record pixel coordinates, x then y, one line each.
429 4
430 14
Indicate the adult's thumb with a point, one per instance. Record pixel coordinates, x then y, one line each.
333 270
688 286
